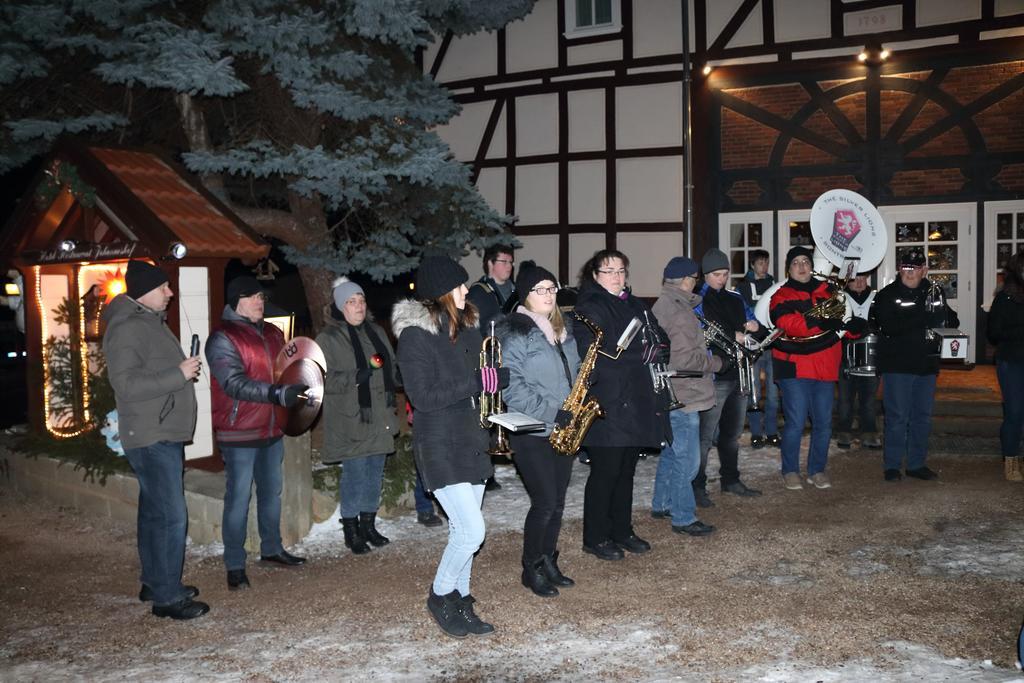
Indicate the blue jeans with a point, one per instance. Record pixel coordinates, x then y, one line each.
678 465
162 519
1011 383
765 422
360 483
908 418
726 416
803 399
242 465
461 502
424 505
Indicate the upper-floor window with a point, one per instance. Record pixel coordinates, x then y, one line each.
590 17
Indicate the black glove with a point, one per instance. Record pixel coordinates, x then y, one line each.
503 377
829 324
287 395
363 375
727 363
563 419
856 325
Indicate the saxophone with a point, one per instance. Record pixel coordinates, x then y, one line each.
568 440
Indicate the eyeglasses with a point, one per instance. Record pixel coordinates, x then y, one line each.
609 271
545 290
506 261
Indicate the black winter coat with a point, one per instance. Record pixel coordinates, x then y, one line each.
1005 328
901 319
633 414
442 383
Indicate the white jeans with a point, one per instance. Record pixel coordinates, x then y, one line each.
461 502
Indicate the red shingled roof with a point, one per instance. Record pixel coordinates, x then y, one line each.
201 223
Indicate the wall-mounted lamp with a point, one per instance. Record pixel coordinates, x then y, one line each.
706 70
12 289
67 245
177 250
873 54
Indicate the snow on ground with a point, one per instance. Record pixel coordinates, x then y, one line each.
567 654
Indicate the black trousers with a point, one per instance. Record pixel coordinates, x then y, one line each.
727 417
608 500
546 476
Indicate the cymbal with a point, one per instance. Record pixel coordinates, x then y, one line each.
300 417
297 348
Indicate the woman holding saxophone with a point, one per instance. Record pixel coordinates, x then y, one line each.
439 355
540 354
635 417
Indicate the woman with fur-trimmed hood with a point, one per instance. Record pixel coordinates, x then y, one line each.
439 358
542 359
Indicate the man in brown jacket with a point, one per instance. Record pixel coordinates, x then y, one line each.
673 492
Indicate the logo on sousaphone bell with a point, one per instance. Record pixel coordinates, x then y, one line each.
845 227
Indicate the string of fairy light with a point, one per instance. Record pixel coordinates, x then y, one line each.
114 285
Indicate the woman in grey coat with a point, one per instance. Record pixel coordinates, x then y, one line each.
542 359
439 357
360 422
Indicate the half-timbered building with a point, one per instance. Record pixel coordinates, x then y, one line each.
574 119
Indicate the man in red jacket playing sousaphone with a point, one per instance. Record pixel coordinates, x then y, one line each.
806 364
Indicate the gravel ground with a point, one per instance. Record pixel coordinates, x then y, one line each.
865 581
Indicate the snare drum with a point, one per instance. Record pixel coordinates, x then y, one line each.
860 356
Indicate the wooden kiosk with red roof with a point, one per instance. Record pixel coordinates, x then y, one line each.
88 212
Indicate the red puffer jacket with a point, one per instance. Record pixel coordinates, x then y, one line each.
241 360
814 359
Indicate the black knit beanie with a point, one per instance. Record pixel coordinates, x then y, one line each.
798 251
141 278
438 275
528 277
243 285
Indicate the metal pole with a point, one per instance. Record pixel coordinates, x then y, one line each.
687 152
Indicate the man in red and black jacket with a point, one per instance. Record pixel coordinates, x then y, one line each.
241 355
806 364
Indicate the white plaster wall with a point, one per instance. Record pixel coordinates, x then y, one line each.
537 194
657 29
719 14
465 131
532 42
653 113
194 315
801 20
586 120
648 253
491 185
930 12
469 56
536 124
1007 7
594 52
498 148
541 249
650 189
587 196
581 248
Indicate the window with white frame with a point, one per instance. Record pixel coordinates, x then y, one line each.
1009 239
591 17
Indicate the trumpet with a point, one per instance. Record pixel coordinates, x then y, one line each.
492 403
744 358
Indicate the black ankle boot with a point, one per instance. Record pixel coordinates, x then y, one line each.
353 536
474 624
368 528
536 579
554 574
447 612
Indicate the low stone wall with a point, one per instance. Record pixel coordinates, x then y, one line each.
58 482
